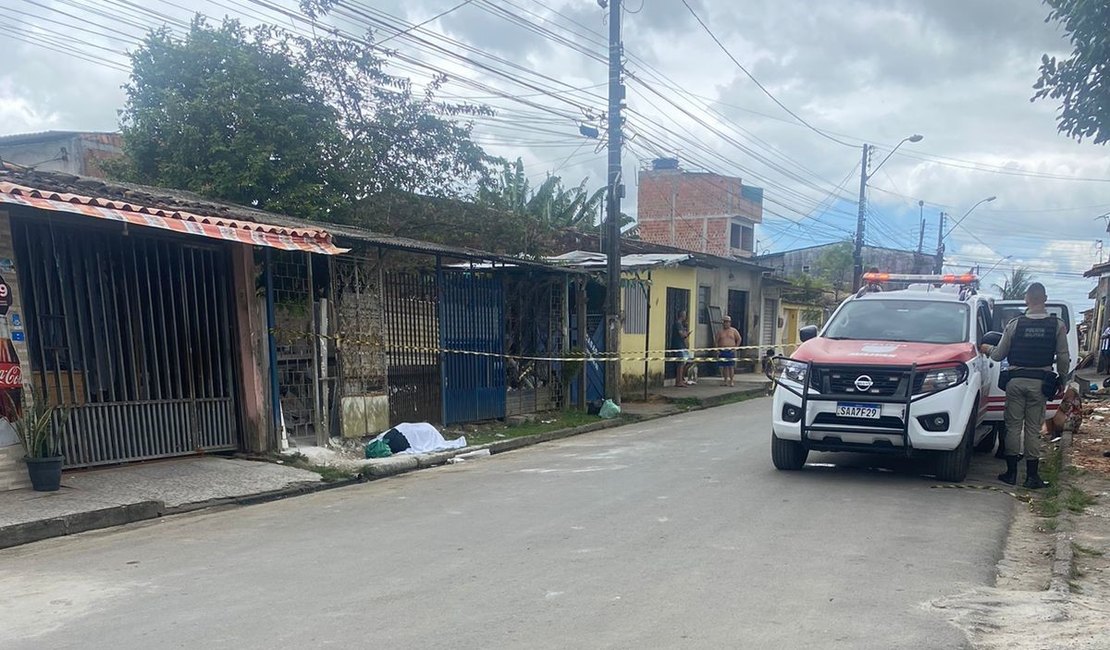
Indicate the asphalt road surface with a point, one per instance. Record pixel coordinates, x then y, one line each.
675 533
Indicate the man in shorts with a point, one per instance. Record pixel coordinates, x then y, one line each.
728 339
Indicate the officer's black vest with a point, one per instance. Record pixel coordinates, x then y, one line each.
1034 343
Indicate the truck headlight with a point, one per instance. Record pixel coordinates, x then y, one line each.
784 369
940 378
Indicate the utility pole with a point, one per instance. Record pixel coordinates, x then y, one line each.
921 231
920 238
939 266
615 193
861 221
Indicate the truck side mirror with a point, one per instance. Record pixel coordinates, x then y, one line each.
808 332
992 338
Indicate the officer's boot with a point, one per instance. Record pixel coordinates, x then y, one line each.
1032 475
1010 476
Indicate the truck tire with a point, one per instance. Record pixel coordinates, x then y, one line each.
787 454
953 465
986 445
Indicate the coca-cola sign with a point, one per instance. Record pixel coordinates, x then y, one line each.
11 376
5 297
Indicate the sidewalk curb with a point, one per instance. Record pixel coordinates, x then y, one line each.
79 522
25 533
1064 560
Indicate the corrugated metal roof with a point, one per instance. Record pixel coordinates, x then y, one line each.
593 259
157 200
246 232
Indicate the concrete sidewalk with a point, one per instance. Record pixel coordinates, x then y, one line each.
92 499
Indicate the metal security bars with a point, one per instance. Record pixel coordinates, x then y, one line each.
411 315
133 336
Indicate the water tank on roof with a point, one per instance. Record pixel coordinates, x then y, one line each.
663 164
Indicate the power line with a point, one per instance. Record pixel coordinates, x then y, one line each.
756 81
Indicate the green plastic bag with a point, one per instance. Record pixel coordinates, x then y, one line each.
378 449
609 410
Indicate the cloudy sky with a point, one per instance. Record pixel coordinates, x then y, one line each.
959 72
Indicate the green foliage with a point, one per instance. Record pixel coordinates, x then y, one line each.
292 124
1082 81
834 265
807 289
541 212
34 425
1016 285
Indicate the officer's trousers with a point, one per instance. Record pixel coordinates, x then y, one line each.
1025 406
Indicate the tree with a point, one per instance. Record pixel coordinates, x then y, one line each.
309 126
544 211
1016 285
227 113
1082 81
835 266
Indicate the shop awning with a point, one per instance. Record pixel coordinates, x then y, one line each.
244 232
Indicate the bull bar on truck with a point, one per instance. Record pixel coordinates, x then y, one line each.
904 397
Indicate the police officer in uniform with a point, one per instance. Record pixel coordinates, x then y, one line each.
1032 343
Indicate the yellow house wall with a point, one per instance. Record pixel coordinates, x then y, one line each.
681 277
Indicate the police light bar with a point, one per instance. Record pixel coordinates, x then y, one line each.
876 278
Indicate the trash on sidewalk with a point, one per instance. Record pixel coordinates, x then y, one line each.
609 410
470 455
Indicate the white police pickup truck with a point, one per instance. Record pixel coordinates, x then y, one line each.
896 372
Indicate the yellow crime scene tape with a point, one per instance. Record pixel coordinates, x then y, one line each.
593 357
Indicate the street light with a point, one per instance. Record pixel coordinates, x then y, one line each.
861 220
960 220
941 235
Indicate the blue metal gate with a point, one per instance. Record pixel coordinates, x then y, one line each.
473 320
595 345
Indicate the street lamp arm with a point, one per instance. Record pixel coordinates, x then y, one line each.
912 138
961 219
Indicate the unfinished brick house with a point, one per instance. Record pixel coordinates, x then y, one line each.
697 211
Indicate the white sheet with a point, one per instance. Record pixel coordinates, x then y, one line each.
424 438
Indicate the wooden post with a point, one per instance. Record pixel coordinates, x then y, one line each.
249 334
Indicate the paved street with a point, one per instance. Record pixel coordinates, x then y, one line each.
674 533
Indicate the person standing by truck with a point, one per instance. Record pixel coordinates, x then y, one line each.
1032 343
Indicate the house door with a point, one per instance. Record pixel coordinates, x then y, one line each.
678 300
769 322
790 334
738 311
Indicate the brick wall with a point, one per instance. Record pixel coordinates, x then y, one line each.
13 473
700 204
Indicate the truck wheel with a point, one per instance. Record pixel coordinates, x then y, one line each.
953 465
787 454
986 445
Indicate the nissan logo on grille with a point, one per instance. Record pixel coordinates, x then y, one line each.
864 383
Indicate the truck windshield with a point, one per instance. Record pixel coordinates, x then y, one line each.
915 321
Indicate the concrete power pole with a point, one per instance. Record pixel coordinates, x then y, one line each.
939 266
917 262
614 195
861 222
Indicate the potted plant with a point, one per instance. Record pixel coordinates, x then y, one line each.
35 428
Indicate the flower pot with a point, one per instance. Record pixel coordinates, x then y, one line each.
45 473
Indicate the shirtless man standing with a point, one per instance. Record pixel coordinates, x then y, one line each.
728 337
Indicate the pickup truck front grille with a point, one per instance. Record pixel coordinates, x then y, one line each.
843 381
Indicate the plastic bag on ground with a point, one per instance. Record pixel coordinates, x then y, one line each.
378 448
609 410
